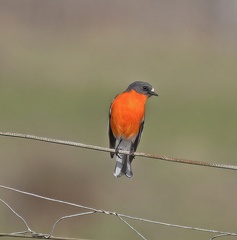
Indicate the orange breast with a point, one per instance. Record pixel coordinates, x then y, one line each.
127 113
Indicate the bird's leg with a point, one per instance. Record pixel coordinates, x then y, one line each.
117 150
132 151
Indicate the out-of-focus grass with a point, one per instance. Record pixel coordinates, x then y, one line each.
61 86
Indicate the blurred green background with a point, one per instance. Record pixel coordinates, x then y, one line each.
61 64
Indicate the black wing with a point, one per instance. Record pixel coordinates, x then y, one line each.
137 140
112 139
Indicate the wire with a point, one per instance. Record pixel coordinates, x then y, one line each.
32 234
97 148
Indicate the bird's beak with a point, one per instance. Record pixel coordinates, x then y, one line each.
153 93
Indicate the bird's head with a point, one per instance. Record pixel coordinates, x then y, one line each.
142 88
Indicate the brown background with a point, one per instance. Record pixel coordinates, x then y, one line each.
61 64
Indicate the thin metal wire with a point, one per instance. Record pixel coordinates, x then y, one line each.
223 235
69 216
176 225
92 147
46 198
119 215
139 234
32 234
22 219
39 236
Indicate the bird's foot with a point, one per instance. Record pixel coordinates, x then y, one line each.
117 152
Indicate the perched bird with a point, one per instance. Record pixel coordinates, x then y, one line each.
126 120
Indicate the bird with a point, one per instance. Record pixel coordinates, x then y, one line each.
126 122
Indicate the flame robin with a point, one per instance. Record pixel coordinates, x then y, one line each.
126 121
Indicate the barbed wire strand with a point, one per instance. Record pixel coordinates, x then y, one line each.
93 147
93 210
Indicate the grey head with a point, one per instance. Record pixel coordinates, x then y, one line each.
142 87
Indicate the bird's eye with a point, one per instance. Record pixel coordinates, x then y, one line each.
145 88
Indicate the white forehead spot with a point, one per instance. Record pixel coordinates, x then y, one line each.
152 89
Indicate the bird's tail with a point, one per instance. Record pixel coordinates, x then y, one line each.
123 166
